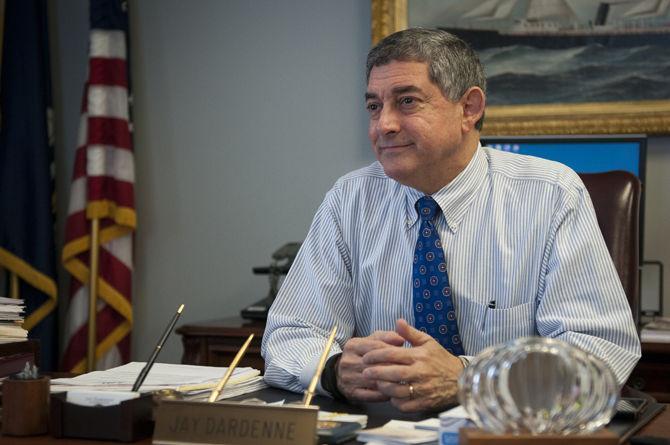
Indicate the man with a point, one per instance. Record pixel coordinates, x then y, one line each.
441 245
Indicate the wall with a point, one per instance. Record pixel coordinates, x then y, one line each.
657 209
245 113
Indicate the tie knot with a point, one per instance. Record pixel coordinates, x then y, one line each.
427 208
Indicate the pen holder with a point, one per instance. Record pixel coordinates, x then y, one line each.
25 406
128 421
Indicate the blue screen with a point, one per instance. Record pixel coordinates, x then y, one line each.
581 156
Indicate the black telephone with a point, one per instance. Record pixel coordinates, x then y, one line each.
282 259
630 407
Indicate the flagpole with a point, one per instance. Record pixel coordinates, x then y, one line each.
13 285
93 295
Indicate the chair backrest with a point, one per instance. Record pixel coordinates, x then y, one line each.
616 199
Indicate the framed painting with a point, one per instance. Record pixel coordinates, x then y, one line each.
557 66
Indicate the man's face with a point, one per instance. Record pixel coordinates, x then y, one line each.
416 133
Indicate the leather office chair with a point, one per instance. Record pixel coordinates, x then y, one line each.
616 198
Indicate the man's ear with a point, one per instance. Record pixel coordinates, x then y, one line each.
473 102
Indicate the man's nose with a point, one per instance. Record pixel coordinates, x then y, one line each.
388 121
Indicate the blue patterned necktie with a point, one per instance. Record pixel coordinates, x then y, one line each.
433 307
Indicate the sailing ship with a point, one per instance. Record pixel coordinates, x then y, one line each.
555 24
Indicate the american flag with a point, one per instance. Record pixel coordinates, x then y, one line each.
102 187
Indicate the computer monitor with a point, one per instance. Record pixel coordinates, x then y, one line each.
588 154
584 154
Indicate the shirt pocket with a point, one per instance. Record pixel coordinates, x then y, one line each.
504 324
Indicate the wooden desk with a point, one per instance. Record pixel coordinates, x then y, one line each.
652 373
378 414
215 342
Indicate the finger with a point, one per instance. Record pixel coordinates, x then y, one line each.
349 364
396 355
353 380
390 373
349 373
394 389
410 405
368 395
390 337
360 346
414 336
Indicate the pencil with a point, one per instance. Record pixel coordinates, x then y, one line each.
216 391
317 375
157 349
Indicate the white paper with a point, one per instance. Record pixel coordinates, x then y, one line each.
457 412
654 336
432 424
13 301
99 398
194 381
398 432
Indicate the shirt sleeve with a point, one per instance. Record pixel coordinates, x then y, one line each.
316 295
581 299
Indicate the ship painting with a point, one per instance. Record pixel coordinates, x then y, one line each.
561 51
556 24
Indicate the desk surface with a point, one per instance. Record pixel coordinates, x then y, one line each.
378 414
216 342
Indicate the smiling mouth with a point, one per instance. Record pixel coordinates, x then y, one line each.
393 147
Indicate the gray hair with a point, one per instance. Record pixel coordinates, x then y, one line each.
452 65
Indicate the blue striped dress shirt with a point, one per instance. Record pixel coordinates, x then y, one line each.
516 230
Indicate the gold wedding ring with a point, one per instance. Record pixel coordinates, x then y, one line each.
411 391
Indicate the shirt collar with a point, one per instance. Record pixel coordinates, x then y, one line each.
454 198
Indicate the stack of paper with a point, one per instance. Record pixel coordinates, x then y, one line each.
398 432
195 382
11 319
328 416
657 330
401 432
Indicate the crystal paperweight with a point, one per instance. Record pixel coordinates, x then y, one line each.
538 385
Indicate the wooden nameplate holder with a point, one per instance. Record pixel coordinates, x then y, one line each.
234 423
473 436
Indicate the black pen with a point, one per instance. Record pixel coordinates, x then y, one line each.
159 346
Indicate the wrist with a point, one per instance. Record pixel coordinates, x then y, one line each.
329 377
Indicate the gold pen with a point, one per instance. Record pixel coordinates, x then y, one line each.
216 391
307 399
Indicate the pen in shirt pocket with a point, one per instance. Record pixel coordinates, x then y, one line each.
491 305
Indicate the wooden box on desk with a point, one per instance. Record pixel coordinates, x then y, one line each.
14 355
128 421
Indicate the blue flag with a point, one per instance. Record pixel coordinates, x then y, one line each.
27 170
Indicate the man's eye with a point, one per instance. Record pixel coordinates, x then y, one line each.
407 101
372 107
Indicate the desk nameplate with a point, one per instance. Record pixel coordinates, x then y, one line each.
183 422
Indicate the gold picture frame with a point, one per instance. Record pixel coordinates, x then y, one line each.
650 116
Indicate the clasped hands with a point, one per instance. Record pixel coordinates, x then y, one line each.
378 368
